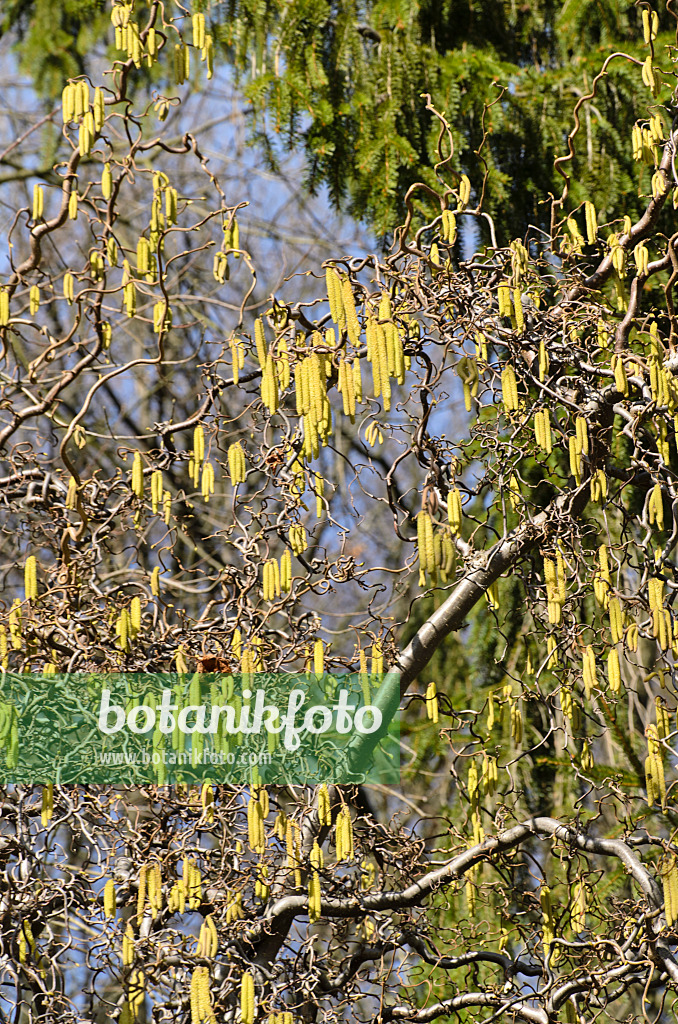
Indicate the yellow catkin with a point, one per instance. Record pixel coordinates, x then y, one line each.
130 298
641 258
647 25
260 342
449 227
202 1011
655 507
143 255
468 373
481 347
30 578
454 510
518 310
208 55
637 146
47 805
198 445
509 389
504 300
214 946
137 476
598 485
135 615
68 103
86 134
207 481
38 202
302 387
247 998
155 581
347 388
577 239
181 63
128 946
335 297
662 717
352 322
344 835
81 97
616 620
379 360
314 897
632 637
156 490
621 382
581 429
255 825
377 667
554 578
261 886
298 539
591 222
99 108
34 299
654 769
324 808
318 658
613 671
357 381
286 572
112 251
658 183
208 940
269 385
207 801
516 721
123 630
425 543
575 459
193 882
539 435
578 908
141 892
589 671
234 911
237 357
198 25
542 430
236 464
109 898
15 624
669 873
552 650
464 191
432 702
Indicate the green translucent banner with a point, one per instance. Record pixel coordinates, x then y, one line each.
135 729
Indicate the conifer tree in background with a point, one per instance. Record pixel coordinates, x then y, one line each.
398 440
344 81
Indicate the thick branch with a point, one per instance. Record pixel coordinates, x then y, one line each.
516 1006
